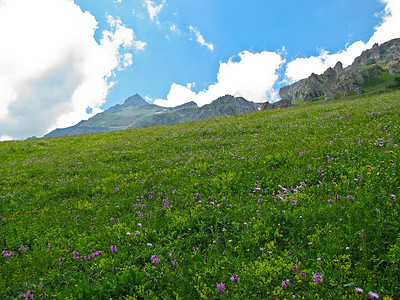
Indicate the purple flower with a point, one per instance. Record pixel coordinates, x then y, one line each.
330 200
285 283
317 278
175 262
171 255
350 197
7 254
373 295
359 290
112 220
113 248
221 288
362 233
155 259
149 245
235 277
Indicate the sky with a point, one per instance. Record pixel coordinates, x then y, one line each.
63 61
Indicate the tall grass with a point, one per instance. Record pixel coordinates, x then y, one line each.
293 203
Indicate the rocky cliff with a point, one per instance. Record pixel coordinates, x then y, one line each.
339 81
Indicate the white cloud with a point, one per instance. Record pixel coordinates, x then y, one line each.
200 39
52 69
387 30
252 77
153 9
5 138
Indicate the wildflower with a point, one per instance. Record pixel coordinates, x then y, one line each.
221 288
155 259
295 267
175 262
362 233
113 248
350 197
139 224
358 290
128 233
112 220
330 200
317 278
235 277
295 296
149 245
7 254
373 295
285 283
284 211
171 255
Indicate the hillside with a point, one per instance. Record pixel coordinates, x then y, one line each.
136 112
293 203
374 69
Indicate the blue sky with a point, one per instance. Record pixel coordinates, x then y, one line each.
68 60
302 28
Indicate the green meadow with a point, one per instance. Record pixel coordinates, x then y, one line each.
294 203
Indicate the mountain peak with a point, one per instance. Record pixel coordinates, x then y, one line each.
136 101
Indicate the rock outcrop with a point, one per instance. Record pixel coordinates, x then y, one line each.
339 81
276 105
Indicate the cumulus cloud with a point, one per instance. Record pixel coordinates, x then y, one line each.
153 9
389 28
200 39
52 69
252 77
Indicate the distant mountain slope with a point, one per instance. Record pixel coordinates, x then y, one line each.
136 112
381 61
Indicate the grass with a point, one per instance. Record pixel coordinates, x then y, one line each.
378 83
301 202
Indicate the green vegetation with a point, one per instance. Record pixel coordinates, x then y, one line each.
319 98
337 96
293 203
299 102
378 83
351 94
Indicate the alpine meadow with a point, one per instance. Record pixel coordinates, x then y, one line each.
301 202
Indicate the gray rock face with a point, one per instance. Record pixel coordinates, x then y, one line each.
335 81
276 105
378 53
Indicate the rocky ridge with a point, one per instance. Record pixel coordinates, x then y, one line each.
339 81
136 112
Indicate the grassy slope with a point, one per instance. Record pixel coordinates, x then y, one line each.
267 196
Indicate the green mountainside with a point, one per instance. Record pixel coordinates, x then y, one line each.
136 112
293 203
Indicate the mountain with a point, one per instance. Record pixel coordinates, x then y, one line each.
374 68
136 112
